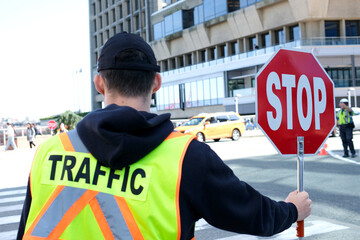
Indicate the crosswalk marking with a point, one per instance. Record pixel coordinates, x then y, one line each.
8 235
13 192
9 219
11 208
312 228
12 199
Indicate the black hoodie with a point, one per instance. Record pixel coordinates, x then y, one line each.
119 136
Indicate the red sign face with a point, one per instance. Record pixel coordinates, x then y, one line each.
295 97
51 124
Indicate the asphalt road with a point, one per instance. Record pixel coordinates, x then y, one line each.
332 182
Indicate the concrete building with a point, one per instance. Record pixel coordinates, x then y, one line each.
210 50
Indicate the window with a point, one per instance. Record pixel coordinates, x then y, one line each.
220 7
113 31
294 33
101 39
94 24
213 91
189 60
187 18
95 42
243 3
212 53
222 51
234 118
136 4
279 37
194 101
121 26
207 92
199 14
169 29
209 9
352 28
127 7
99 4
120 11
137 22
106 19
332 29
181 61
223 118
265 40
177 21
113 15
220 89
101 23
203 56
200 93
173 63
93 9
233 5
234 49
158 30
253 43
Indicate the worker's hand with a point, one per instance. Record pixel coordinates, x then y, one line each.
302 202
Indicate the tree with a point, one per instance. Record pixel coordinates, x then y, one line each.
69 119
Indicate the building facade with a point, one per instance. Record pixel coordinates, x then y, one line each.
210 50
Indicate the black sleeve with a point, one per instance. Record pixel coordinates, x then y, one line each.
25 213
210 190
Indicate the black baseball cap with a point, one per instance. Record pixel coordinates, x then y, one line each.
122 41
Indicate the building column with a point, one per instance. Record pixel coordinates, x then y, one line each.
342 28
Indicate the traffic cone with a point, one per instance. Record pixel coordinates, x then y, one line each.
323 150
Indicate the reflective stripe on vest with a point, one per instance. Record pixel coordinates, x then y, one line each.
117 217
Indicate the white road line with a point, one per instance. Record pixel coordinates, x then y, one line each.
311 228
9 219
13 199
11 208
10 235
13 192
341 158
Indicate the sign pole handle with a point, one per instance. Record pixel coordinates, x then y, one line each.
300 182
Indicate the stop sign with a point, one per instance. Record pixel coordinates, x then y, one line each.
51 124
295 97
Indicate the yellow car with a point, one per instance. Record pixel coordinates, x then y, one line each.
214 126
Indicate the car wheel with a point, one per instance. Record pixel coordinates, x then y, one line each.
235 135
217 139
200 137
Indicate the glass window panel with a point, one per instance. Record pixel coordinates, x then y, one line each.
166 98
213 91
233 5
358 72
294 33
352 28
279 37
220 87
177 21
251 2
169 29
158 31
209 9
220 7
201 13
171 97
176 96
243 3
196 15
332 29
194 102
188 94
207 92
200 92
160 99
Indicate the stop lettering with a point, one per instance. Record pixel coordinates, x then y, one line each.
295 97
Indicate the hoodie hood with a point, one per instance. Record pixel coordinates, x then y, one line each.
118 136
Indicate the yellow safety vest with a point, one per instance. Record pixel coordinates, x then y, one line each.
345 117
74 197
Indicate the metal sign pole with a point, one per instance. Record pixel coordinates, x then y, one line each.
300 182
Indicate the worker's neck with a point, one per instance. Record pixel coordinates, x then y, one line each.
138 103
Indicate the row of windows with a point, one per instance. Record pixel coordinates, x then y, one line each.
352 28
193 94
343 77
232 48
100 5
210 9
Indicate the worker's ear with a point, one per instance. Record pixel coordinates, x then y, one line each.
99 84
157 83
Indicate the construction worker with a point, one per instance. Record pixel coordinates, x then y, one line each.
346 126
125 174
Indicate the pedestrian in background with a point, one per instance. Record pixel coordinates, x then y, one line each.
346 126
11 137
142 179
61 129
30 135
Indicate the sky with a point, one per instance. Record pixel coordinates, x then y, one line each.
44 58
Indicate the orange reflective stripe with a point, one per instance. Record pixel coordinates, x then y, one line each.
66 142
129 218
174 135
178 186
44 209
72 213
101 220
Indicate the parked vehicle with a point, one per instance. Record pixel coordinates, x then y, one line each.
214 126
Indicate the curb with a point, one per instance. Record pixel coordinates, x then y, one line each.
341 158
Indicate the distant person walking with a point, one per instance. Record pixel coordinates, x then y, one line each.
11 136
30 135
61 129
346 125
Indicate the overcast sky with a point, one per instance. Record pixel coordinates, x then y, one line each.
44 44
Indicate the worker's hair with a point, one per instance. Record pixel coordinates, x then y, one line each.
129 83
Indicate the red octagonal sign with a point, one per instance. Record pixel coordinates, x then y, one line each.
295 97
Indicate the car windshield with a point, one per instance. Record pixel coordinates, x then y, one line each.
193 122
